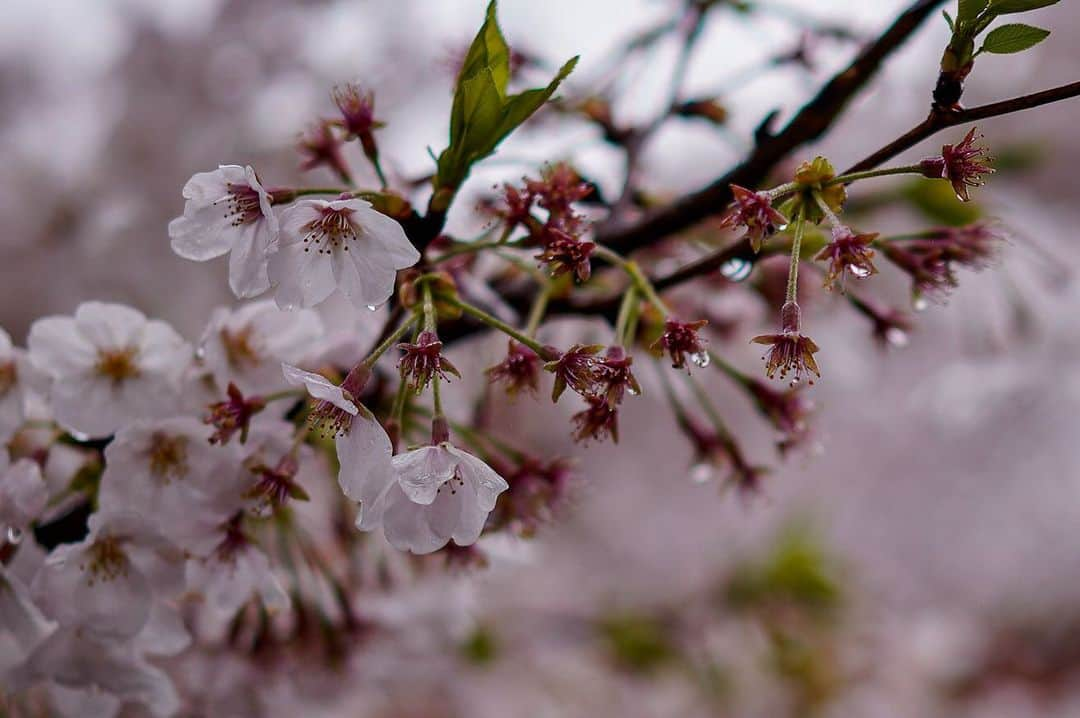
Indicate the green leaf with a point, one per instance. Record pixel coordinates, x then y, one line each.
482 115
1016 37
968 10
949 20
1005 7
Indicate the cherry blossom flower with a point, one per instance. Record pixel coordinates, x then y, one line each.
423 361
357 115
232 415
681 341
108 365
228 211
363 446
343 244
754 211
168 471
789 352
17 381
22 494
320 146
105 585
565 253
598 420
963 164
24 627
436 493
246 346
575 368
234 573
847 253
613 375
520 370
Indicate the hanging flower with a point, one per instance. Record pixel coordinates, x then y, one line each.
362 444
575 368
424 361
319 146
963 164
232 415
435 494
614 376
754 211
789 352
680 341
228 211
109 365
520 370
343 244
847 253
597 421
565 253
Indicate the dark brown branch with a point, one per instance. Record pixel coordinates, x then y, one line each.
810 123
938 121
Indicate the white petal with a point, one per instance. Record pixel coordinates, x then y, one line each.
109 326
366 471
319 387
406 525
422 471
364 275
485 481
58 348
248 260
301 279
389 238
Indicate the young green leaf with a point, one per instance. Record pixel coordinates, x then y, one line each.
482 114
949 20
1005 7
968 10
1012 38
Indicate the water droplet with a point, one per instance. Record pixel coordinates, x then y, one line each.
262 509
200 352
79 436
632 391
919 303
736 269
14 535
702 473
857 270
371 307
701 359
896 337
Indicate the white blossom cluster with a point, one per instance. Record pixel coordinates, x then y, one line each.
105 412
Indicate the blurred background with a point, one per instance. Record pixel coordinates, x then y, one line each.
922 560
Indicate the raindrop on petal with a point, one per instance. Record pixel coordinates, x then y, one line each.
736 269
700 359
858 270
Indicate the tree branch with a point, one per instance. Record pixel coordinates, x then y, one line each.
810 123
938 121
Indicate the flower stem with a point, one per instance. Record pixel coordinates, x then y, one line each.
496 323
390 341
833 220
868 174
285 394
793 270
429 309
623 336
633 270
539 307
